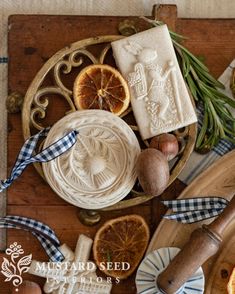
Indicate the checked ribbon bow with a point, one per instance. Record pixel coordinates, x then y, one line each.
188 210
27 156
42 232
45 235
193 210
184 210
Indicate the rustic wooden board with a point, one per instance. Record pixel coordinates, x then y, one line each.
219 179
32 40
3 168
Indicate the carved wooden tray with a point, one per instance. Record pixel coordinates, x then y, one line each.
51 91
219 179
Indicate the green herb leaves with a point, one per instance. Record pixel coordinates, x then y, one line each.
218 122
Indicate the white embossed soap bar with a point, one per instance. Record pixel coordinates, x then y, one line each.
159 97
99 170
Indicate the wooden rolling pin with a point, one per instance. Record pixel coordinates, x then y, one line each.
203 243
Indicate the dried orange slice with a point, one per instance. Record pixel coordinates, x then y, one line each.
231 283
120 244
100 86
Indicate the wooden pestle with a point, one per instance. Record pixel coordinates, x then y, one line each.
203 243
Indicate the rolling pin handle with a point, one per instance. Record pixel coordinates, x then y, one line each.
222 221
204 243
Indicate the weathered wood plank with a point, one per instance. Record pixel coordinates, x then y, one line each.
32 40
64 220
3 201
3 160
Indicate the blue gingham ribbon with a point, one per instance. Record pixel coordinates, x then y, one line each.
3 59
27 156
192 210
41 231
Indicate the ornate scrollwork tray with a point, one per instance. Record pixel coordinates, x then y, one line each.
50 97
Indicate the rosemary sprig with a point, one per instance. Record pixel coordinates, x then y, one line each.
218 122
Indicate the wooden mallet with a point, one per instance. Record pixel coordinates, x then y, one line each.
203 243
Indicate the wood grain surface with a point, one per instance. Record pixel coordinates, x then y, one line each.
3 169
32 40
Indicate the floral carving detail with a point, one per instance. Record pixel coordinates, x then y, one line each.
95 160
13 269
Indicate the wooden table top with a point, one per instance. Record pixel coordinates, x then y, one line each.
32 40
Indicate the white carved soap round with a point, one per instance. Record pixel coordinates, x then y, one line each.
99 170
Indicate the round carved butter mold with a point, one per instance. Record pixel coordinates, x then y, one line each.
99 170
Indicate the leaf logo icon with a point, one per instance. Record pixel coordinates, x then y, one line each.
12 269
23 263
6 270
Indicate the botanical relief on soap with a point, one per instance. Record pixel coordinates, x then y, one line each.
100 168
94 162
155 85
